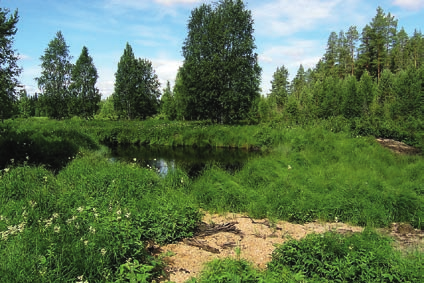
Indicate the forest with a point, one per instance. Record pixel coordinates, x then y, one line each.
69 213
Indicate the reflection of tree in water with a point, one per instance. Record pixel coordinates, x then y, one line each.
192 160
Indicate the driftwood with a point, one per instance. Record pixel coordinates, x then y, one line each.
265 223
203 246
210 229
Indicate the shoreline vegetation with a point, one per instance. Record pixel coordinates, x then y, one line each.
69 212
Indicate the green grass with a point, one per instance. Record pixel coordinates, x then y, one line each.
93 217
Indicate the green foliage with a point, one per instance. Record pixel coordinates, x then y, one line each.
220 76
168 104
94 219
280 86
85 97
136 87
55 78
9 69
331 257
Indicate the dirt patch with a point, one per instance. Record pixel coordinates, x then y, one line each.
254 238
398 147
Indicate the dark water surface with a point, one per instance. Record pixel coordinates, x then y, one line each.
192 160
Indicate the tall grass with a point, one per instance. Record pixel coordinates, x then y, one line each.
93 219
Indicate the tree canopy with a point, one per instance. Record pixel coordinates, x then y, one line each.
56 77
136 87
9 70
220 74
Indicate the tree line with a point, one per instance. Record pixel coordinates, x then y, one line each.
375 74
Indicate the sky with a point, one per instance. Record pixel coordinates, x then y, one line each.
287 32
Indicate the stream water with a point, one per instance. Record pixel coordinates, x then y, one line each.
192 160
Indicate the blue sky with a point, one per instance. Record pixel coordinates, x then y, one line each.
287 32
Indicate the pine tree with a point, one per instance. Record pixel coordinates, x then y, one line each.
9 70
55 78
84 94
221 74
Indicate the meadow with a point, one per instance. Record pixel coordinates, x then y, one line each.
68 214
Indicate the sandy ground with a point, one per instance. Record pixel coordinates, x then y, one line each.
255 240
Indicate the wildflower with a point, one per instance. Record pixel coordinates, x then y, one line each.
71 219
118 218
336 219
94 209
85 242
45 178
103 252
182 181
127 215
92 230
6 170
289 167
135 159
118 212
55 215
27 158
56 229
12 160
32 203
80 209
96 215
350 247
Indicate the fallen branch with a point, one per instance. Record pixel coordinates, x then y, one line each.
203 246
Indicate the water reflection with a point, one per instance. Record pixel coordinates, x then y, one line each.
192 160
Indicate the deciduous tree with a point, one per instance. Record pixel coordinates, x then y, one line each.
221 75
85 96
56 77
9 70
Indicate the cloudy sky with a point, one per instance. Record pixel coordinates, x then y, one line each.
287 32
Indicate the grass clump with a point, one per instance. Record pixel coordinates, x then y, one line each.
93 220
360 257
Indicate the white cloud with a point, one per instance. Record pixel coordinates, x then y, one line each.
173 2
409 4
24 57
286 17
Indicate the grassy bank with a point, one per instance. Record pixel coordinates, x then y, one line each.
96 218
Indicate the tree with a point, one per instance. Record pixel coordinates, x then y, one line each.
280 86
56 77
378 39
85 96
299 83
136 87
168 103
24 104
9 70
352 37
221 75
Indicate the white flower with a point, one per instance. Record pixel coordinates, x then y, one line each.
92 230
289 167
103 252
127 215
56 229
55 215
27 158
85 242
135 159
118 212
6 170
45 178
79 209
